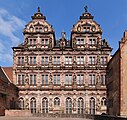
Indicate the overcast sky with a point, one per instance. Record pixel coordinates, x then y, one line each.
62 14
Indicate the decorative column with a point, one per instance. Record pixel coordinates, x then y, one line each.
74 104
38 102
50 104
62 104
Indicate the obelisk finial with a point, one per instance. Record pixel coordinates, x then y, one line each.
86 9
38 9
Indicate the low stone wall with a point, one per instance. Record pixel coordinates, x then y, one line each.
108 117
57 115
17 113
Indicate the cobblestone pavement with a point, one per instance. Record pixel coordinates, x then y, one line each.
40 118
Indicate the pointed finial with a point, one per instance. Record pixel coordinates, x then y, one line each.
38 9
86 9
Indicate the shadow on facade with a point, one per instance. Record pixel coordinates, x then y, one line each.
108 117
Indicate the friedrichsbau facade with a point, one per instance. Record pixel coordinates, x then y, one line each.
62 76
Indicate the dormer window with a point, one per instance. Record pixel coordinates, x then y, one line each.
86 29
31 29
46 41
30 41
40 29
34 41
42 41
37 29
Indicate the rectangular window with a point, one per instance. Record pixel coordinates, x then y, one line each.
32 79
34 41
56 79
42 61
80 41
103 79
20 80
91 60
46 60
56 60
44 79
80 79
92 41
80 60
30 60
68 60
68 79
92 79
20 60
42 41
30 41
23 80
46 41
105 60
34 60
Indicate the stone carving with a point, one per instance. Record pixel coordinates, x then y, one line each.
98 80
74 60
98 43
50 78
50 43
74 104
74 78
26 79
74 43
98 105
98 59
50 104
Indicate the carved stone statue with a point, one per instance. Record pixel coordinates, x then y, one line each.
98 43
50 78
98 80
98 58
26 79
74 60
50 58
74 78
74 43
98 105
50 43
74 104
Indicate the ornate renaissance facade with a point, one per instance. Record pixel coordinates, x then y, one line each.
62 76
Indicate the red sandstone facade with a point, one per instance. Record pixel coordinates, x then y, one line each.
117 80
8 91
62 76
